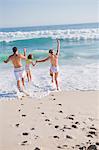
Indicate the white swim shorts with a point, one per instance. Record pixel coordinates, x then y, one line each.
19 73
54 69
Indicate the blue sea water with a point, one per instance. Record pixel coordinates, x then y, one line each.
79 57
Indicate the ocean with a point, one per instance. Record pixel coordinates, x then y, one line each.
78 61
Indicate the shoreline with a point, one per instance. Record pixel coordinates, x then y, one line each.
22 95
62 120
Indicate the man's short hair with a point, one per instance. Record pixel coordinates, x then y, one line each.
14 49
51 51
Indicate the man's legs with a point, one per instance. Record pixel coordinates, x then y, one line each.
18 84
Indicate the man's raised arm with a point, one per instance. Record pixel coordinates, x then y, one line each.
24 51
58 47
23 56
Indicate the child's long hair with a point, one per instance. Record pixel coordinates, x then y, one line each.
29 56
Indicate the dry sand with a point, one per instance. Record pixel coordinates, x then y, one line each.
63 120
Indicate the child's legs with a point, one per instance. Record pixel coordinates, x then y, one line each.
23 82
56 80
30 75
27 73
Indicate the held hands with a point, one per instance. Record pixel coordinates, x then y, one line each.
34 63
5 61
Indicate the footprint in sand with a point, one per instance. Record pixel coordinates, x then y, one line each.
47 120
60 104
38 107
84 122
93 133
37 148
59 147
65 127
70 118
82 148
62 147
36 136
65 146
73 147
91 119
68 137
32 128
25 133
56 126
42 113
56 137
92 128
62 130
83 129
77 123
23 115
97 143
92 147
93 125
49 124
24 142
17 125
89 142
90 136
77 145
74 126
60 111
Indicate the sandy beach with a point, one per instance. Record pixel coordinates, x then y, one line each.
62 120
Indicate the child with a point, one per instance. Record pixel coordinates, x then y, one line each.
27 67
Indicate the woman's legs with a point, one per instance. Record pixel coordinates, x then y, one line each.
52 75
56 80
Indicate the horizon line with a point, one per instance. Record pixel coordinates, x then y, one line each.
48 25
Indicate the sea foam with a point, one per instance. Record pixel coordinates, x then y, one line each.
69 34
72 77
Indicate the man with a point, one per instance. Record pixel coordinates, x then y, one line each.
16 58
54 69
